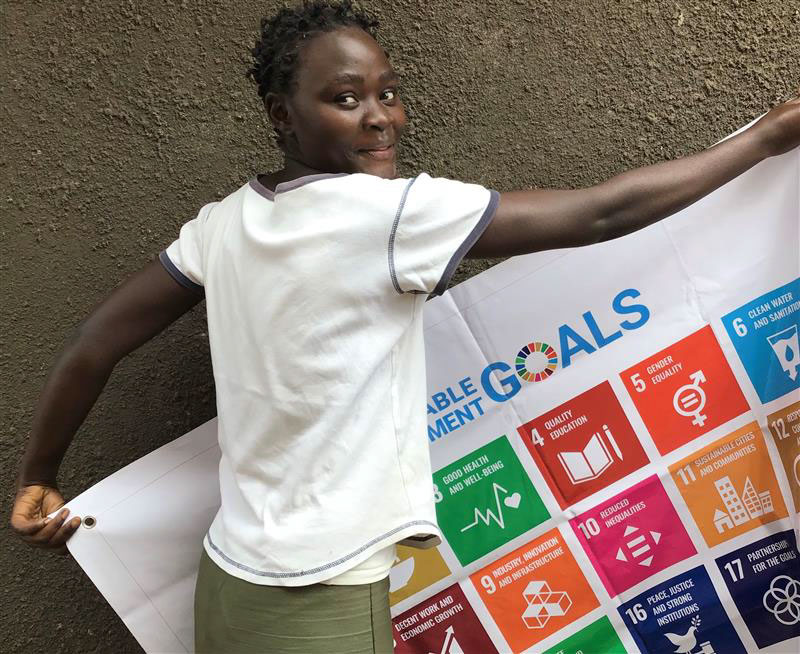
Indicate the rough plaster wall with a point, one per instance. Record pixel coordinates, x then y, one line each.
121 118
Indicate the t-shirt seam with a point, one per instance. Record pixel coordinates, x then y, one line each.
394 416
393 234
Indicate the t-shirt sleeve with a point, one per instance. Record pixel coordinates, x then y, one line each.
437 222
184 258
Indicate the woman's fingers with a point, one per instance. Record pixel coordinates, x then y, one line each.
25 527
59 539
46 533
29 521
26 516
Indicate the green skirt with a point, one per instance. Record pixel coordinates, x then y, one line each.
232 615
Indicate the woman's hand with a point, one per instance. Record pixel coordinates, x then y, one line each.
779 129
29 518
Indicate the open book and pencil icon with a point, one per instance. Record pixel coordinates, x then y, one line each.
590 462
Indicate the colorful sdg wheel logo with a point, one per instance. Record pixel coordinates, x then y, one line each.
536 361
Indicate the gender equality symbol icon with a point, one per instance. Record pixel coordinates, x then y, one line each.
690 399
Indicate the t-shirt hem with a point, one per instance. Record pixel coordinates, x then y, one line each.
319 572
367 572
472 238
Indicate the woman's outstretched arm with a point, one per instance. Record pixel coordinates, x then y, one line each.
529 221
136 311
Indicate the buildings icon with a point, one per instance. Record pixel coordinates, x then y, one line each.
740 508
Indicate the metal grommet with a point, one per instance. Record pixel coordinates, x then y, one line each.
89 521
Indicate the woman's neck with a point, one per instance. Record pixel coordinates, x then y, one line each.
292 169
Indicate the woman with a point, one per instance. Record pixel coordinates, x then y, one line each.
314 278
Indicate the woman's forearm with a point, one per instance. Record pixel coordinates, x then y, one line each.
541 219
639 197
135 312
75 381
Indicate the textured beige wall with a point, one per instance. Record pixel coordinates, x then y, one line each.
121 118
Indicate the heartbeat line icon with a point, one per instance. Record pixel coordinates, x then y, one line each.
510 501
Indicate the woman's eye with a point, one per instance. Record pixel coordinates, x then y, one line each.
388 95
347 100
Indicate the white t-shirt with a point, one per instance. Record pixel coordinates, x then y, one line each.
314 295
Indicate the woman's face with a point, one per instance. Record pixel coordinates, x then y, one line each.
344 114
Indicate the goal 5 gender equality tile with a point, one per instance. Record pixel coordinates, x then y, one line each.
684 390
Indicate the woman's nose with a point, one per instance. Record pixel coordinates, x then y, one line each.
376 116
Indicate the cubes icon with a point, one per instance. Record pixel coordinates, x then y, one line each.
543 604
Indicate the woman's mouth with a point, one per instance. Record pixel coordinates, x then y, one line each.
382 153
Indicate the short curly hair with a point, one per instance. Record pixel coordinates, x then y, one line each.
276 51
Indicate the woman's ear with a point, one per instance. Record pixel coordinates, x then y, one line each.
278 113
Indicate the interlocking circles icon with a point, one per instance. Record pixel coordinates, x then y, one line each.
783 600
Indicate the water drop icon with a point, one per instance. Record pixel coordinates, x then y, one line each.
786 346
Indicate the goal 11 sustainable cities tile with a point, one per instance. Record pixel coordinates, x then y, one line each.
730 486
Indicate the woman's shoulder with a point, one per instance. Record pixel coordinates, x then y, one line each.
370 192
363 183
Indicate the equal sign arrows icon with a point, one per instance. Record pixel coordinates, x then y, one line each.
638 546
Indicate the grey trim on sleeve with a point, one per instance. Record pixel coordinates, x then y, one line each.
178 276
393 233
474 235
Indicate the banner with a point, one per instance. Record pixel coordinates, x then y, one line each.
615 439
